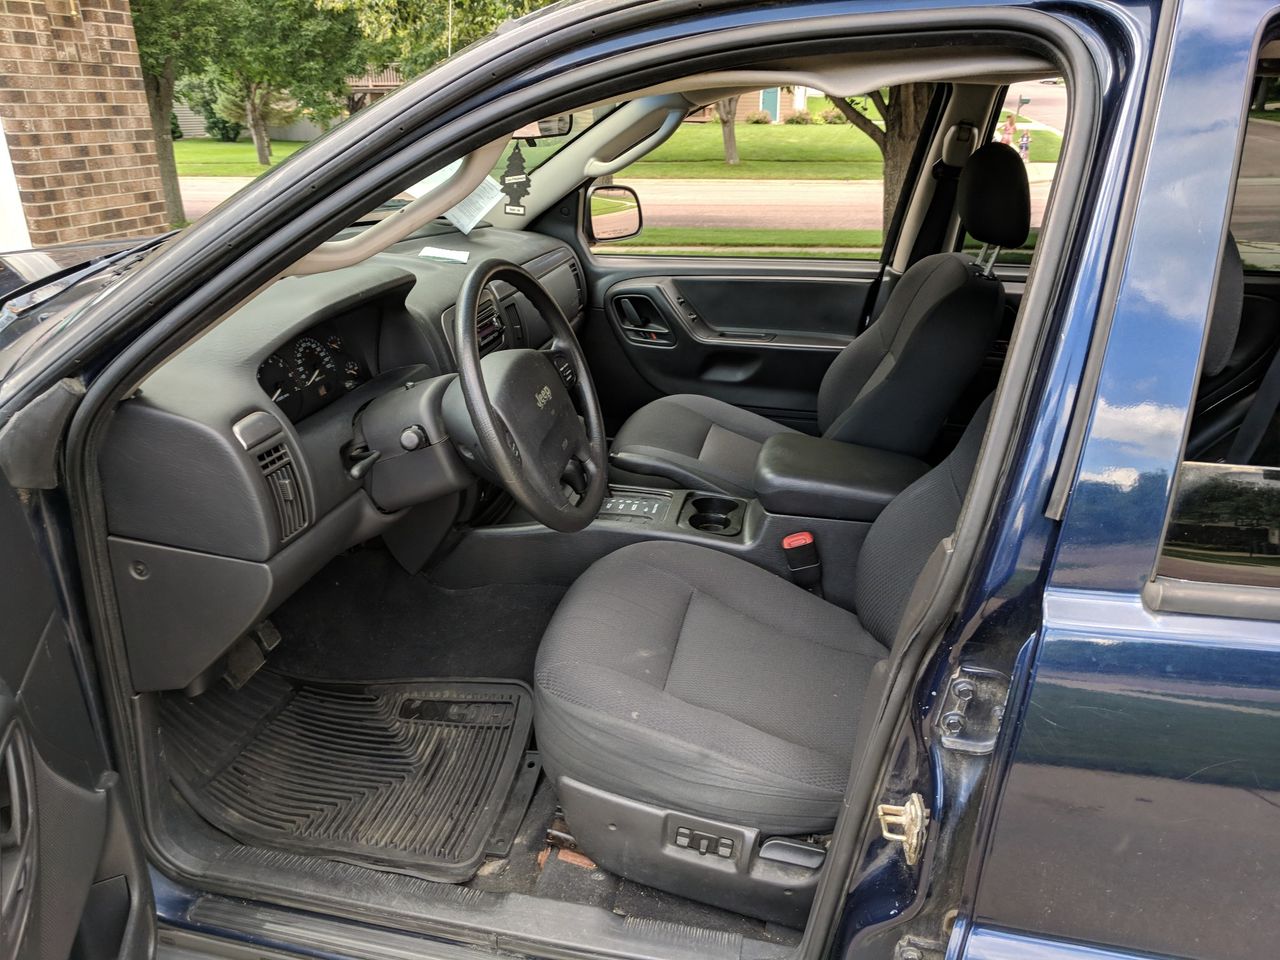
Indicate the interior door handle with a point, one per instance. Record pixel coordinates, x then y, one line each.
642 321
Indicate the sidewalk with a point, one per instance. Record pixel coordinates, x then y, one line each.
202 194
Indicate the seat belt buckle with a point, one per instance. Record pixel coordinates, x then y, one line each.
801 551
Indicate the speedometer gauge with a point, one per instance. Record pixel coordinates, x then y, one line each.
314 369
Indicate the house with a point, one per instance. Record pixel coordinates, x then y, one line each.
779 102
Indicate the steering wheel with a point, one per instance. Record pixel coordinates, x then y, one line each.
522 411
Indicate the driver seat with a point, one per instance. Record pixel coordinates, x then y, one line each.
697 713
891 388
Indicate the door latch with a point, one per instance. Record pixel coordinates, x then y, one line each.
907 824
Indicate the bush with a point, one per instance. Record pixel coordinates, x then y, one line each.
175 130
758 116
800 118
227 131
834 116
200 92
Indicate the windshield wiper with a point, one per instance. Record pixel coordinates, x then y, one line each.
72 274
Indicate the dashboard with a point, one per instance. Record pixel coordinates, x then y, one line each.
232 474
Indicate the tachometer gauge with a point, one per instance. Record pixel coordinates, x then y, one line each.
276 378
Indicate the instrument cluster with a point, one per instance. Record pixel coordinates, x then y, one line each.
310 372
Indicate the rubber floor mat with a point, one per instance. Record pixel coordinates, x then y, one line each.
411 776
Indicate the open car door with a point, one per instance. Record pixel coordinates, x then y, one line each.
72 882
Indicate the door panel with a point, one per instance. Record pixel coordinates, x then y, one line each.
56 789
756 334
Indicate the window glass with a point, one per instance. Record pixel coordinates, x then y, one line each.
1224 526
1255 218
1032 121
786 174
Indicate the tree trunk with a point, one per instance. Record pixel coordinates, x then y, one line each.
727 111
159 89
903 114
1263 94
908 106
257 125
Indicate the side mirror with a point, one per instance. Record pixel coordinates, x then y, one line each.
614 214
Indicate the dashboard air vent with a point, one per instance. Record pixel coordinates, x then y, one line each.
490 331
282 480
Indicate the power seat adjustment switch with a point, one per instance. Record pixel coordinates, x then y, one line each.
704 843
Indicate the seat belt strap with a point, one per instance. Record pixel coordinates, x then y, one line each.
1259 416
938 215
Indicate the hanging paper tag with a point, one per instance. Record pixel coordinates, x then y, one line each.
471 210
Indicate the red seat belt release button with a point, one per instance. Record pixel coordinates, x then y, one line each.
801 551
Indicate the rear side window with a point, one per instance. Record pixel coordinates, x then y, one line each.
1254 219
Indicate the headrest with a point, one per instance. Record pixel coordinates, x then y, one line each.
994 199
1228 304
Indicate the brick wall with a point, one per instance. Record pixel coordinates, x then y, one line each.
75 119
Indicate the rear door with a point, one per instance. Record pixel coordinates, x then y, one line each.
71 879
747 279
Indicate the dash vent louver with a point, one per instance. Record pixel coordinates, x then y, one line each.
577 282
277 467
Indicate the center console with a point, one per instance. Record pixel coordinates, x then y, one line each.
830 490
701 512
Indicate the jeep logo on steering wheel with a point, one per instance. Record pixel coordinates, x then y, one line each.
543 396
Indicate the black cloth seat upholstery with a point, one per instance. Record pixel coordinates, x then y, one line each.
676 675
892 387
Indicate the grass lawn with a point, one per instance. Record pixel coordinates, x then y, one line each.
748 237
200 157
783 152
768 152
1265 114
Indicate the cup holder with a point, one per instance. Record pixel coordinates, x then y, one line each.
709 522
714 515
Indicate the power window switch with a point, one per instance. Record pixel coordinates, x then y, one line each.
683 836
725 847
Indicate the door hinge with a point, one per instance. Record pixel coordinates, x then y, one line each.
972 710
907 824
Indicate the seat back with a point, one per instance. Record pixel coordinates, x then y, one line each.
892 386
900 541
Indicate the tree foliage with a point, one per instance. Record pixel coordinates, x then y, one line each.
420 33
174 40
275 57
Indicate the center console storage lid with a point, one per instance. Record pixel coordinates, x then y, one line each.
805 476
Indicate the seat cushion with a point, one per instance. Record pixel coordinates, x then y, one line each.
681 676
695 441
